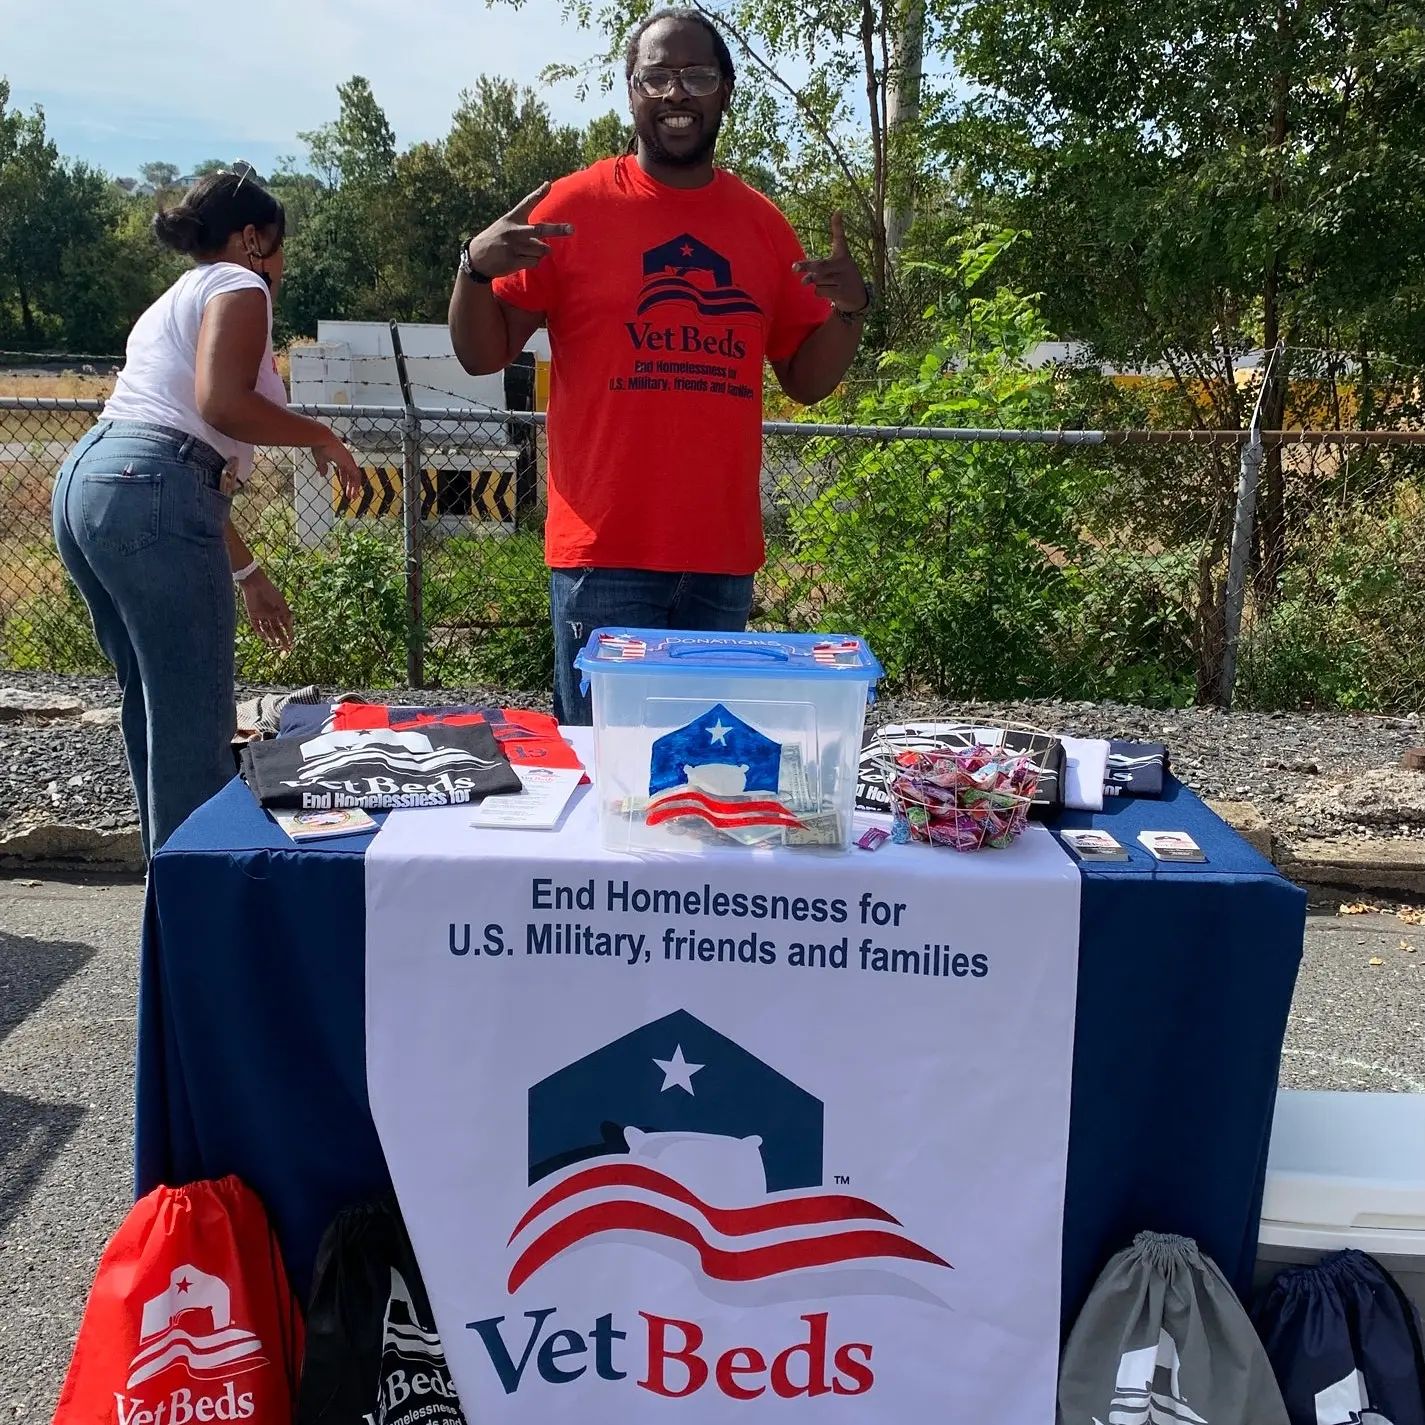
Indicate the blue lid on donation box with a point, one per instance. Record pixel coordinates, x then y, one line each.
822 656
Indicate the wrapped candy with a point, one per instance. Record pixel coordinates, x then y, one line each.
964 798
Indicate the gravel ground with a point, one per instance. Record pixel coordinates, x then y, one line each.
1310 774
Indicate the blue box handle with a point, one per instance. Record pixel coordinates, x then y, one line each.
732 650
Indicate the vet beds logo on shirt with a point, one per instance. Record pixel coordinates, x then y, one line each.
685 271
674 1136
413 753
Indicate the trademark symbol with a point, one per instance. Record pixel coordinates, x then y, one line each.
842 1180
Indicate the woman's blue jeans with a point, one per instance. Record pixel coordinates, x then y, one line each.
139 520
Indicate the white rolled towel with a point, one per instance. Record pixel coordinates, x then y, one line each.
1086 768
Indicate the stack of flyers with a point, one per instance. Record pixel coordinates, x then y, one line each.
1171 845
1091 844
313 825
544 793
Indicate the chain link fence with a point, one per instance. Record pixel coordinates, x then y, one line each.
990 564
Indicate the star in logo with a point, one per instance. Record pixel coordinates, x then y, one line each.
718 732
183 1284
677 1071
686 249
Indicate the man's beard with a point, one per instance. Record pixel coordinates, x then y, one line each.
652 144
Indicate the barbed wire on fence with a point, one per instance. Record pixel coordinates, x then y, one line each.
980 562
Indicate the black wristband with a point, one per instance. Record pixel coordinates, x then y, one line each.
476 276
859 315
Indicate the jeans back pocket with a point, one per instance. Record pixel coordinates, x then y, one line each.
120 511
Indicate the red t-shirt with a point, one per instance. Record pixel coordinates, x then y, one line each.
661 309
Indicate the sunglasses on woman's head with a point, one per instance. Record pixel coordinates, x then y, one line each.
246 169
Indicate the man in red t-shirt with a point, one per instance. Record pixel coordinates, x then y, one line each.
665 283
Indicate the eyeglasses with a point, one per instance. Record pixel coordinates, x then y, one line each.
247 171
697 81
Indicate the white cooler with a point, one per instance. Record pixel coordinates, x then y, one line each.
1346 1170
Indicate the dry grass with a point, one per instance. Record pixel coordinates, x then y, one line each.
44 428
72 385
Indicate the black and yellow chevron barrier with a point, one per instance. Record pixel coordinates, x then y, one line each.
462 494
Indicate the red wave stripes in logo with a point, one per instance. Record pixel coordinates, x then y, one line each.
793 1233
722 812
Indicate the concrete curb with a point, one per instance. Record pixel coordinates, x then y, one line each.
1359 865
1249 824
54 846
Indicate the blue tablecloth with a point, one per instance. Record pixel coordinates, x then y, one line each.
252 1052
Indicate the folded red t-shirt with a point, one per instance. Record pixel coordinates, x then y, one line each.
526 737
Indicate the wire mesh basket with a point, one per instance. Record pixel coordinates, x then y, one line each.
969 798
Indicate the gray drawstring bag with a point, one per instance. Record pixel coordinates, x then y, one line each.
1163 1340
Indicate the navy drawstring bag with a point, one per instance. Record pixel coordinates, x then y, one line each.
1345 1343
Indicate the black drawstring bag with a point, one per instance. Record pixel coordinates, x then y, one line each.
373 1354
1345 1343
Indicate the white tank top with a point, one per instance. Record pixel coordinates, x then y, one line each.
158 380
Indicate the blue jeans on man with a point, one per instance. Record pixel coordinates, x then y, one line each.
139 520
581 600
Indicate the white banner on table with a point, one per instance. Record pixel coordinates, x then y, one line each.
727 1135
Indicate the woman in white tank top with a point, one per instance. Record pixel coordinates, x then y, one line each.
141 507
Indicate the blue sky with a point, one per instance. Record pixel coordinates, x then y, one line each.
126 81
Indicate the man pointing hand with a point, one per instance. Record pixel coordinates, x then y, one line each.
666 283
512 243
836 277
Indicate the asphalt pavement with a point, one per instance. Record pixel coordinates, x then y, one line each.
68 972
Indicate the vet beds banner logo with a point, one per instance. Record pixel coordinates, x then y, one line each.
720 1127
675 1140
694 1157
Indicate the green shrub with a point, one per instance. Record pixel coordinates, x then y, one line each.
1348 631
51 631
348 601
951 557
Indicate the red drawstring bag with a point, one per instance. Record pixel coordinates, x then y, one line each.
190 1319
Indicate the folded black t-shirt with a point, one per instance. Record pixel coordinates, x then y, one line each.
379 769
1136 769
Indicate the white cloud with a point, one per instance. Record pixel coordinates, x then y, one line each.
170 78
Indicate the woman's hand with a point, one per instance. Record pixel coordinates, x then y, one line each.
332 452
267 610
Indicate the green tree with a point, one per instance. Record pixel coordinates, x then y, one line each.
606 137
828 108
956 559
342 231
162 178
59 236
503 144
436 211
1202 178
375 231
358 148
